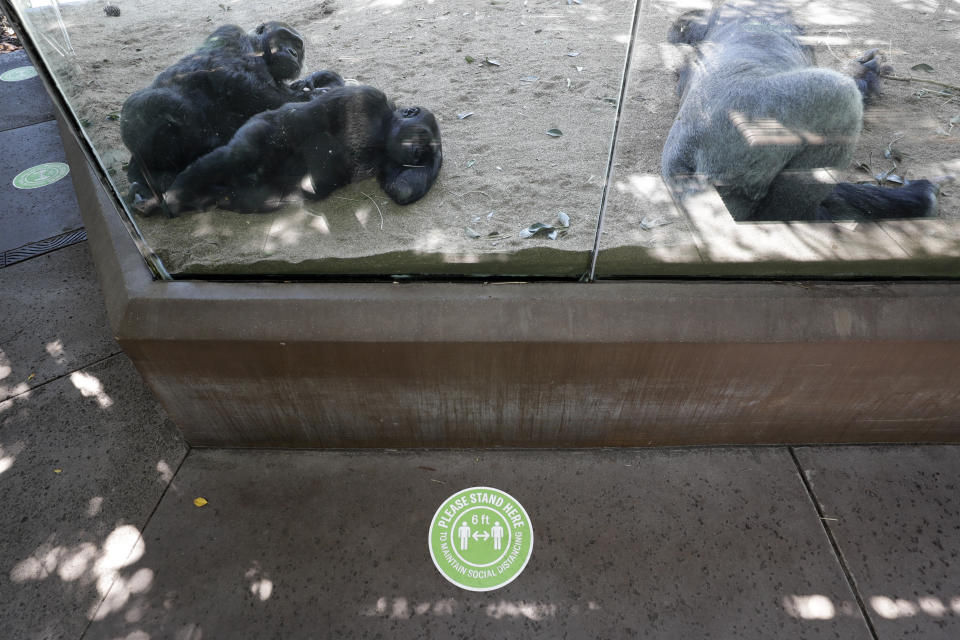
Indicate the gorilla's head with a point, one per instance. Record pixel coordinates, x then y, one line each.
414 139
282 49
690 28
414 154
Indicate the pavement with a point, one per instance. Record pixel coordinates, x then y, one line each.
112 528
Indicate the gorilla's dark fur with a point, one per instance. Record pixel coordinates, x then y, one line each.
199 102
345 134
756 116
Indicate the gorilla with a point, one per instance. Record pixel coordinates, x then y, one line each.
342 135
756 117
198 103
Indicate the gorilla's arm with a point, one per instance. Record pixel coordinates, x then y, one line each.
408 184
342 135
272 155
250 173
199 102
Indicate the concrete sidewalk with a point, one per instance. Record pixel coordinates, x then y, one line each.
100 537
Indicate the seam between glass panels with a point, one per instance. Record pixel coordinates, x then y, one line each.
639 8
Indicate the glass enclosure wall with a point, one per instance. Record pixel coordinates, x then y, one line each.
394 138
524 95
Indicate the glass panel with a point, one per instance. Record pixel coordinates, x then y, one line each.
524 94
771 121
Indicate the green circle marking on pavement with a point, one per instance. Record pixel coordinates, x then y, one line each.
40 175
18 73
480 539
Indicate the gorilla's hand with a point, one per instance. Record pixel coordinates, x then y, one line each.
867 73
317 82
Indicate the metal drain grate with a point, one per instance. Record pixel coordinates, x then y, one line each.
34 249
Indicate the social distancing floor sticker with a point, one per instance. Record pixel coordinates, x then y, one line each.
41 175
481 539
17 74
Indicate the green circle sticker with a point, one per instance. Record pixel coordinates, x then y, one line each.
40 175
18 73
480 539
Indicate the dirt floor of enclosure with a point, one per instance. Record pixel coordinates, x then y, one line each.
519 68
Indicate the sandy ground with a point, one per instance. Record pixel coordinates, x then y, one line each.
560 67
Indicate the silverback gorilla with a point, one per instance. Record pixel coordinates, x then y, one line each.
345 134
756 116
198 103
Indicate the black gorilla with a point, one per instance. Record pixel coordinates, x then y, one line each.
199 102
346 134
756 116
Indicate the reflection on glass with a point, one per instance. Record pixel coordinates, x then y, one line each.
756 115
786 143
380 137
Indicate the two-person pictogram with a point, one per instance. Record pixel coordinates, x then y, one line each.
465 533
480 539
